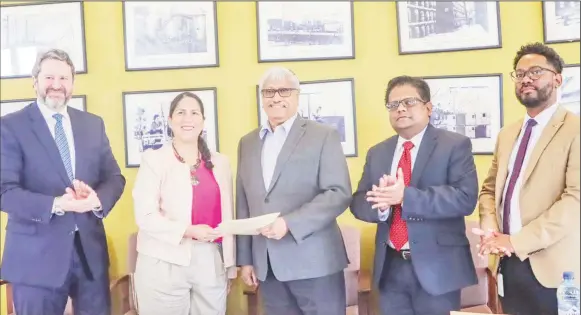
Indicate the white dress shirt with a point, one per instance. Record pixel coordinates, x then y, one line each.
273 143
416 140
542 119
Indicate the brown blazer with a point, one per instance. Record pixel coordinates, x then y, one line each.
162 198
549 198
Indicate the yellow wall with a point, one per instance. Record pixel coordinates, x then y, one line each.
236 78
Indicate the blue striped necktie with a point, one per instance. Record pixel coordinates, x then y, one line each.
62 144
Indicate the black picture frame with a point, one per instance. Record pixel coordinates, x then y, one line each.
548 26
348 140
135 146
214 57
261 44
23 102
80 68
430 27
479 127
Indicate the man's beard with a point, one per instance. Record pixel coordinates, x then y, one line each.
543 95
55 103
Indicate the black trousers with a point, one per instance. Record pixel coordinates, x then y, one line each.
523 294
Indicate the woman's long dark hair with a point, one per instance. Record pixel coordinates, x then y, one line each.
202 145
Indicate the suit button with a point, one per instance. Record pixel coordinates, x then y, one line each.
266 200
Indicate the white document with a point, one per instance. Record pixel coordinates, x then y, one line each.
248 226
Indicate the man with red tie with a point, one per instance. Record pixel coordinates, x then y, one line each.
418 186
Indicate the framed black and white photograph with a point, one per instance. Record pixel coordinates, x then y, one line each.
146 113
330 102
569 94
305 30
468 105
170 34
33 28
6 107
437 26
561 21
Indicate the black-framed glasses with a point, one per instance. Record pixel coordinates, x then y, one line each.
533 73
284 92
406 102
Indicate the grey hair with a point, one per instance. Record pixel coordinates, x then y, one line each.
279 74
55 54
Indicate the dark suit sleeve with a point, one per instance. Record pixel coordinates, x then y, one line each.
243 242
360 208
111 181
14 200
335 195
456 199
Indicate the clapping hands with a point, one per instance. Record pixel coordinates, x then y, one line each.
389 192
81 198
492 242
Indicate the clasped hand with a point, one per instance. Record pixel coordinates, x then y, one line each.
81 198
492 242
203 233
389 192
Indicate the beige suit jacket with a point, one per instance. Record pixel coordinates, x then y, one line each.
162 198
549 198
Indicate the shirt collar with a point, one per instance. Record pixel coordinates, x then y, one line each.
286 126
543 117
48 112
416 140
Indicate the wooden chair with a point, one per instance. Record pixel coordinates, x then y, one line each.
122 287
357 282
481 297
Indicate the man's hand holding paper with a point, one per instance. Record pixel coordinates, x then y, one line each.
250 226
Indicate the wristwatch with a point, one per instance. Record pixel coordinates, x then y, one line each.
56 208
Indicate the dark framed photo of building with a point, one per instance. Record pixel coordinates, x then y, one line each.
145 117
569 94
330 102
561 21
6 107
469 105
30 29
170 34
439 26
305 30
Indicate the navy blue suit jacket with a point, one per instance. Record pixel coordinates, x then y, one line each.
38 244
443 190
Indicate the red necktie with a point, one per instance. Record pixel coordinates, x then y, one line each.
398 232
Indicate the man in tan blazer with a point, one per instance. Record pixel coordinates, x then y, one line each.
530 198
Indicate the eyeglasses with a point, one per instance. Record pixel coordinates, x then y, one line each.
284 92
533 73
407 103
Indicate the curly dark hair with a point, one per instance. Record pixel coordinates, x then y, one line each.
419 84
537 48
202 145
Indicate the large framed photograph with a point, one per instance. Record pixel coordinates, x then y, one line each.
6 107
468 105
33 28
170 34
146 113
569 94
305 30
561 21
331 102
437 26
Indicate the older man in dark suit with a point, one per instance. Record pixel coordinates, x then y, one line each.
418 186
58 181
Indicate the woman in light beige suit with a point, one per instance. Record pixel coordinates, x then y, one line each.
182 192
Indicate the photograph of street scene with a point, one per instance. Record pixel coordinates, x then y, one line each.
427 26
470 106
561 19
569 92
305 30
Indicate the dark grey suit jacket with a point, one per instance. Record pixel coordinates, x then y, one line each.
39 245
443 190
310 187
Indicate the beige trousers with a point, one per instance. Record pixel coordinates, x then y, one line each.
163 288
